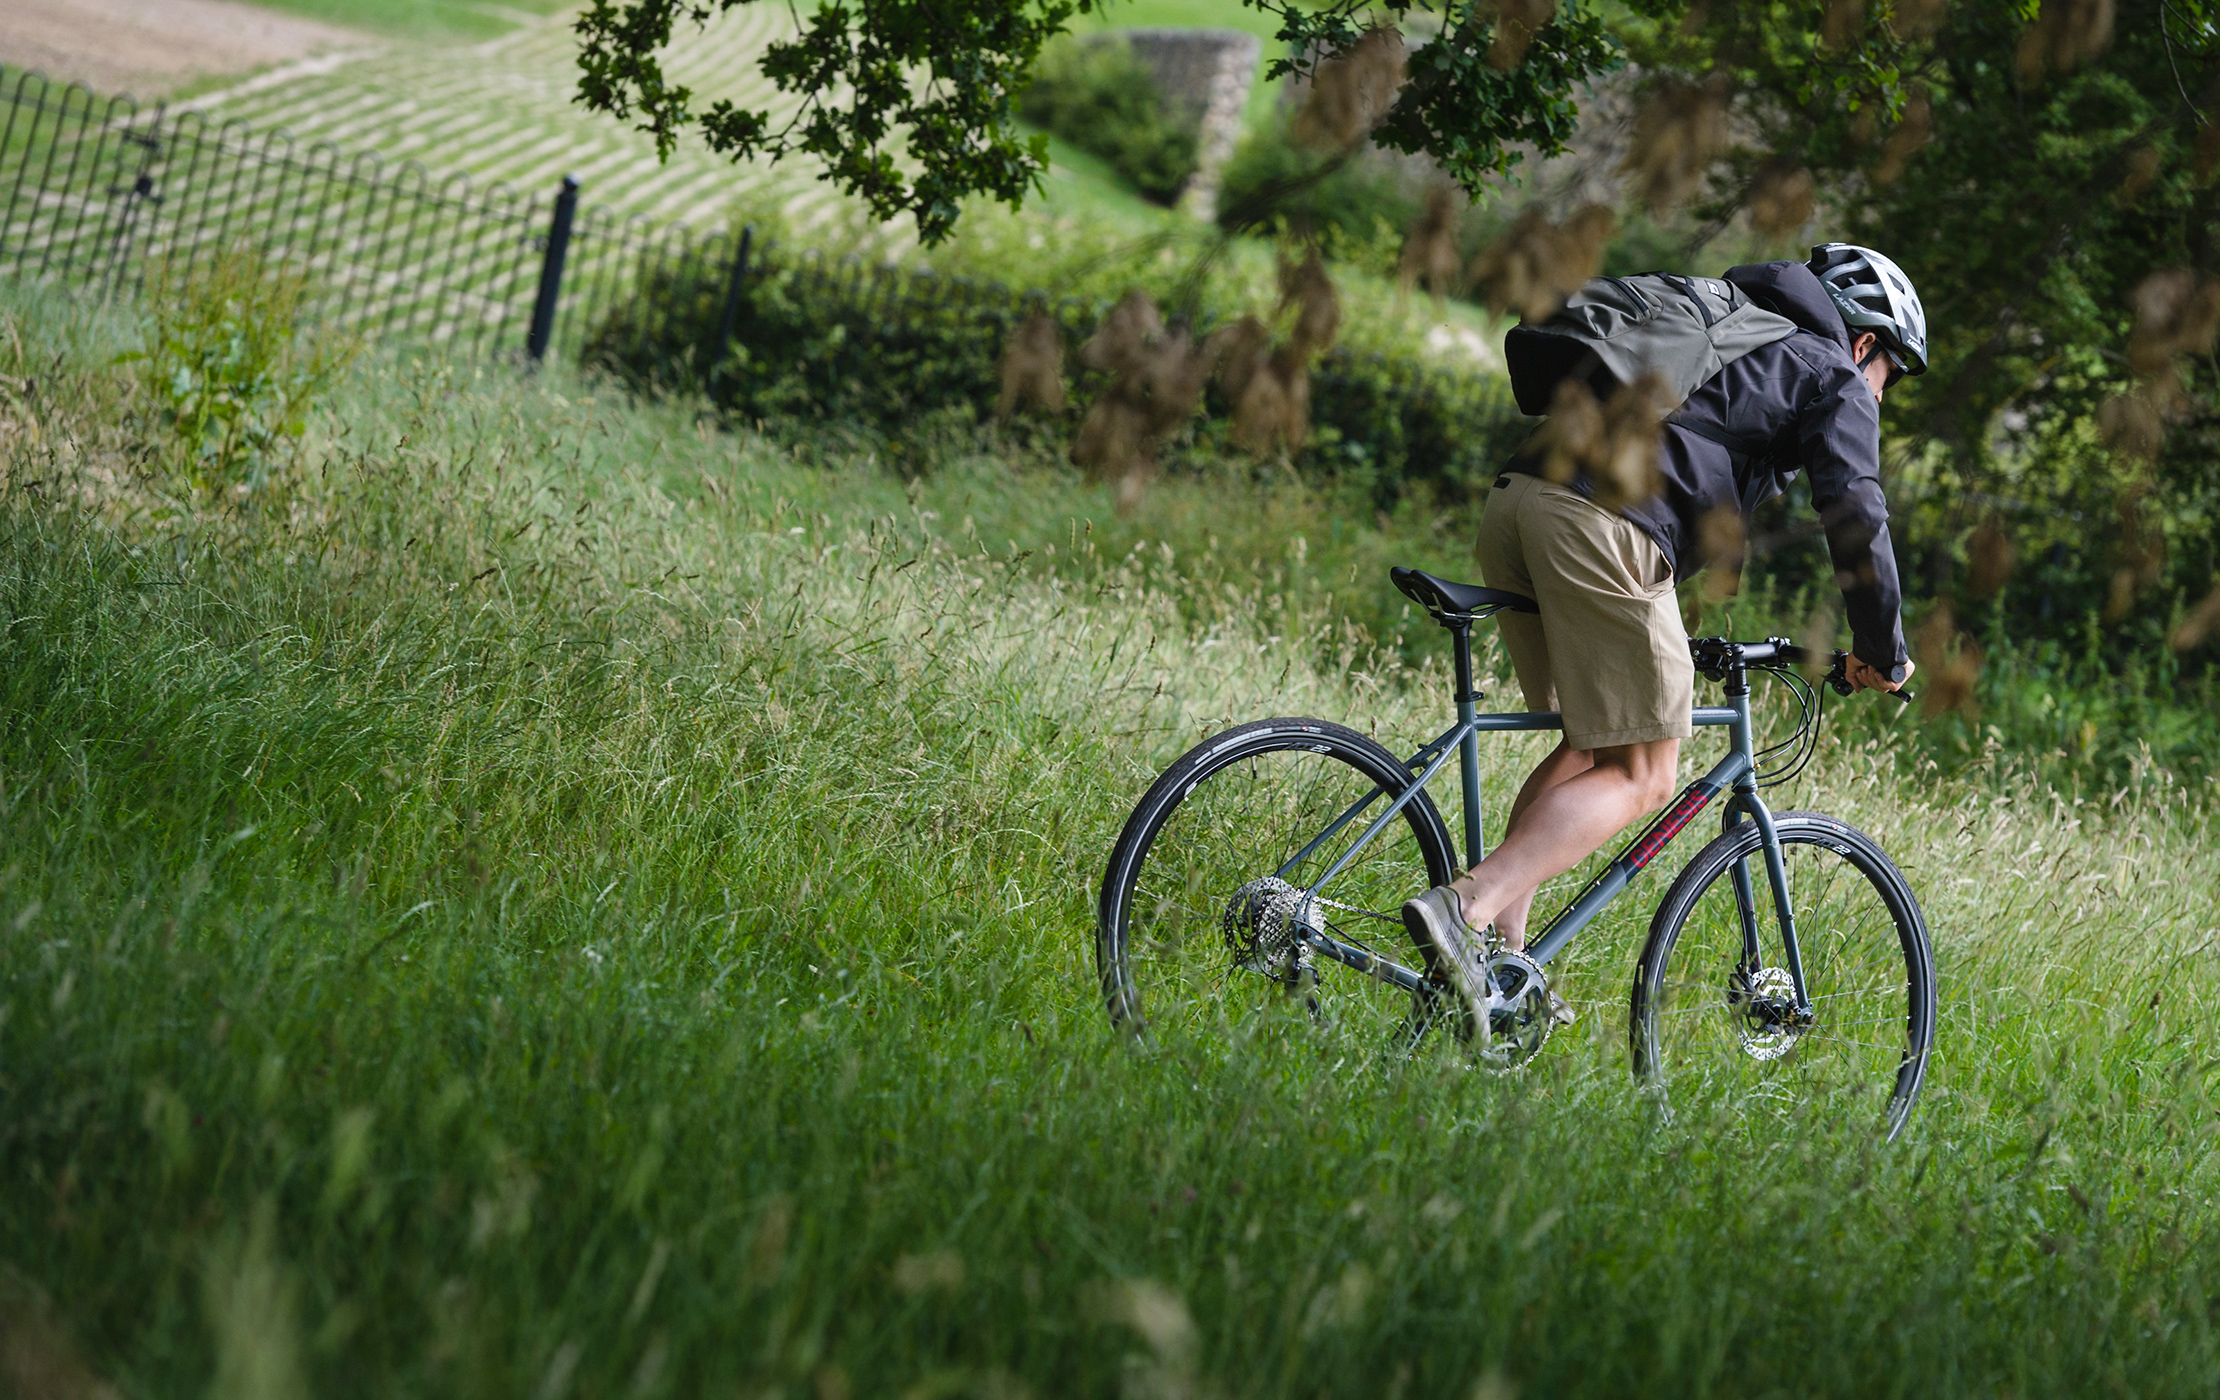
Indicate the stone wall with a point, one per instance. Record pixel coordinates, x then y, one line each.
1204 76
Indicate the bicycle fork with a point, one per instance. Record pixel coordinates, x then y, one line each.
1747 805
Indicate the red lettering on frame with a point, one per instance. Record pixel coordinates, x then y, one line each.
1680 814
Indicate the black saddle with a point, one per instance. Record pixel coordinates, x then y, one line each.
1457 604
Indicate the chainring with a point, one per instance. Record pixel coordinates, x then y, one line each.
1519 1012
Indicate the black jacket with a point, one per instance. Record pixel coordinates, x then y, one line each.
1797 404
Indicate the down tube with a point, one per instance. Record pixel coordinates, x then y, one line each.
1607 885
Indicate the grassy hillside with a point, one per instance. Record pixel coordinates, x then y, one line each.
547 899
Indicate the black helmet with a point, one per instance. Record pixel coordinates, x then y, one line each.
1873 294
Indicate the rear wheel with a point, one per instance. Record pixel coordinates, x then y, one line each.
1194 926
1714 1014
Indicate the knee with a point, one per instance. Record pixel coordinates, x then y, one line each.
1651 771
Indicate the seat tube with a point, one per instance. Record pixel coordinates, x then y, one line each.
1468 749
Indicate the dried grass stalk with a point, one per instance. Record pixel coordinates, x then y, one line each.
1990 556
1913 131
1351 91
1949 662
2065 35
1430 247
1306 290
2177 312
1680 131
1841 22
1781 199
1516 24
1724 543
1535 266
1032 368
2199 623
1158 384
1614 445
1918 19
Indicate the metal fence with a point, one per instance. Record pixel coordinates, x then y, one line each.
105 194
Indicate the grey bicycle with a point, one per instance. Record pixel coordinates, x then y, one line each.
1276 850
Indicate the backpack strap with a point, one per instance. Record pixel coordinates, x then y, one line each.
1688 289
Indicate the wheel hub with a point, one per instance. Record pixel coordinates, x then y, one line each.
1764 1004
1263 925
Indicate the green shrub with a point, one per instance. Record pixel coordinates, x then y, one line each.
230 366
904 354
1097 95
1265 179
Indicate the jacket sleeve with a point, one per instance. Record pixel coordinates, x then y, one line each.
1840 431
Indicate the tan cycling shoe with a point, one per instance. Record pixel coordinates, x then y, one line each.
1436 920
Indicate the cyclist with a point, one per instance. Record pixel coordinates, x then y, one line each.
1608 649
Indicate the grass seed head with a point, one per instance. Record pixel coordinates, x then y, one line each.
1918 19
1516 23
1272 413
1721 538
1352 90
1430 255
1613 444
1679 132
1306 290
1781 199
1155 1312
1537 264
2065 35
1950 663
1841 22
1913 130
2177 312
2132 424
2142 170
2198 624
938 1272
1818 641
1990 556
1118 342
38 1361
1032 367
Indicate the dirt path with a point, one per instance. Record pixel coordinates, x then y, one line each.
152 47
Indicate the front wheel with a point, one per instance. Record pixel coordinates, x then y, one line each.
1197 929
1715 1012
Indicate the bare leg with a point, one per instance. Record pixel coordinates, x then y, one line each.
1562 763
1563 823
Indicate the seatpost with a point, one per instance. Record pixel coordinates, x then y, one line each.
1468 752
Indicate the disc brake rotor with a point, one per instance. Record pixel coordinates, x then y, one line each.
1765 1010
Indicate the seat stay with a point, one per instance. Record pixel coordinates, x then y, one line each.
1379 824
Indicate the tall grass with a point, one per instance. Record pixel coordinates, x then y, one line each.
545 899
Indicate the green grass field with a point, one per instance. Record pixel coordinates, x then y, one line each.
550 899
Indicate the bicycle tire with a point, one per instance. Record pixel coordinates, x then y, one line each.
1695 1029
1160 946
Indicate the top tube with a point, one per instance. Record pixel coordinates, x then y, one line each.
1514 721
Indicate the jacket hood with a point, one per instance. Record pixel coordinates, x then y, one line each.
1789 289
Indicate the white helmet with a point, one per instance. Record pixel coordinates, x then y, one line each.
1873 294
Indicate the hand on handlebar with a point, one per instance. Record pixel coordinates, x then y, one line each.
1863 677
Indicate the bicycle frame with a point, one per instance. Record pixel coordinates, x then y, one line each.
1737 770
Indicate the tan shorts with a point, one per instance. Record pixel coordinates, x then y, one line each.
1608 649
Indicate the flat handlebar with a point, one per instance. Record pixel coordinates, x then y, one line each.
1716 656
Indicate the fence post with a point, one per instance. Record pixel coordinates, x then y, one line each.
735 291
551 271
